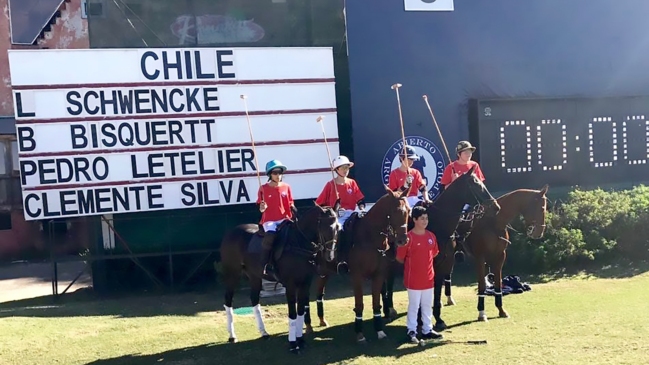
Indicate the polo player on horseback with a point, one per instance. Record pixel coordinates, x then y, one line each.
405 178
346 189
276 205
464 151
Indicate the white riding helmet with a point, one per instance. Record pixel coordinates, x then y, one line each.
340 161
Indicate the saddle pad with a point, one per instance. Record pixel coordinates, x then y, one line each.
254 246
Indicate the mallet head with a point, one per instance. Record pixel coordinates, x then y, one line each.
243 96
425 97
320 119
395 86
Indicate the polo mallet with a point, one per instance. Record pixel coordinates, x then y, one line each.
252 141
468 342
320 120
439 132
396 87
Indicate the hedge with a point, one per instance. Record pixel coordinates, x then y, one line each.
589 226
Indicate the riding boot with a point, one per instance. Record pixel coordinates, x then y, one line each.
343 254
266 252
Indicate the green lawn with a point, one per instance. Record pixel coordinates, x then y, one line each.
576 320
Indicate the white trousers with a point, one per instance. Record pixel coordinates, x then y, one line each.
420 299
272 226
345 216
412 200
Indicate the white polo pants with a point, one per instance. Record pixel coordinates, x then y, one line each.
420 299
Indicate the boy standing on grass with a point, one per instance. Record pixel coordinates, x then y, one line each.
417 256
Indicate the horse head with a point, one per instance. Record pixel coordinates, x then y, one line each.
325 221
475 191
396 211
534 213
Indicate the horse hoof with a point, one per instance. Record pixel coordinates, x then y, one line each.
308 330
301 343
324 323
381 335
265 336
450 301
503 314
360 338
483 318
440 326
393 314
295 351
232 340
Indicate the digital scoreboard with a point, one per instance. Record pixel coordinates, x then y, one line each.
525 143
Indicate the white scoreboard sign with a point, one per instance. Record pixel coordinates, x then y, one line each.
113 131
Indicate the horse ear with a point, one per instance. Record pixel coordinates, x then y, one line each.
544 189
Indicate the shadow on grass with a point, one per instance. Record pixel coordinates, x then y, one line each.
85 302
464 273
335 345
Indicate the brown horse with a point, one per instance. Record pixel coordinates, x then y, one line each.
367 260
445 214
443 219
487 242
296 247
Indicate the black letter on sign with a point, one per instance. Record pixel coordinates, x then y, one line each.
151 195
24 172
199 71
220 63
187 190
29 197
149 76
78 132
74 102
26 134
19 106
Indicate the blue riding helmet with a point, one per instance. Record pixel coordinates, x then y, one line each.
274 164
411 153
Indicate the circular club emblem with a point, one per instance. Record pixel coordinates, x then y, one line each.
430 164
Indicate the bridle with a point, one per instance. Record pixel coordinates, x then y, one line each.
322 245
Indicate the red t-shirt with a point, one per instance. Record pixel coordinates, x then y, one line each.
447 176
418 255
279 200
398 178
349 194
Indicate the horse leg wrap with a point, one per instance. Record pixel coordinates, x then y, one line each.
499 299
320 304
260 320
307 314
229 313
378 320
481 302
358 321
447 286
299 326
292 329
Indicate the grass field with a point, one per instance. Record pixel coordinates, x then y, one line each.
585 319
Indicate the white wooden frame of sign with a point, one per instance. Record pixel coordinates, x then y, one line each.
133 130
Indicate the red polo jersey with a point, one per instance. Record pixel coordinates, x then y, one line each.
418 255
349 194
398 178
460 169
279 200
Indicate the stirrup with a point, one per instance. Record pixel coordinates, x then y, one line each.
269 270
345 267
